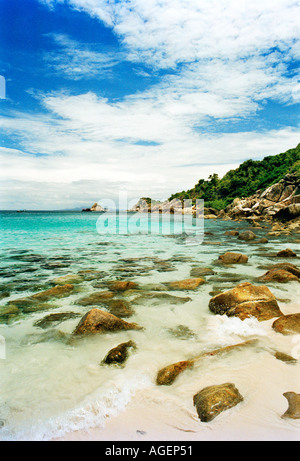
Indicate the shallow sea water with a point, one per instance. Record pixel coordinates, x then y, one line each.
51 386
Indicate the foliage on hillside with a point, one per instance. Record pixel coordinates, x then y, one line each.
244 181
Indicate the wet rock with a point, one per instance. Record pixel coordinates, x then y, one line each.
284 357
160 297
187 284
48 336
55 319
233 258
246 300
287 324
8 313
95 298
119 307
97 321
213 400
121 285
167 375
284 266
288 253
263 240
56 292
65 279
279 275
201 271
232 233
90 274
4 294
293 410
247 235
118 355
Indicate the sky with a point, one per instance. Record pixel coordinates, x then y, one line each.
140 97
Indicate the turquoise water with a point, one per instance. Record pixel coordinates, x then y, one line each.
50 386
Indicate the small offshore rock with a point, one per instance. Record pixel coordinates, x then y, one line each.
263 240
119 354
293 410
247 235
279 275
213 400
232 233
287 324
284 357
287 253
97 321
233 258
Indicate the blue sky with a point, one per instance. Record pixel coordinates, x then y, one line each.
143 96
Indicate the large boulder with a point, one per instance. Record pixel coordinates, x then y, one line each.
287 324
97 321
288 213
246 300
213 400
233 258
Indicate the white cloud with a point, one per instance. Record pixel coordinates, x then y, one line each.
76 60
220 60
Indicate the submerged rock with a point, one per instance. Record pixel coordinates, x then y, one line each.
121 285
55 319
55 292
287 324
293 410
201 271
213 400
160 297
182 332
70 278
187 284
95 298
246 300
119 307
233 258
97 321
119 354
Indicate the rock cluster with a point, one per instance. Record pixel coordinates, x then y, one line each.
281 202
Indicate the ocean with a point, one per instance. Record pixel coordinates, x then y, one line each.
52 386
